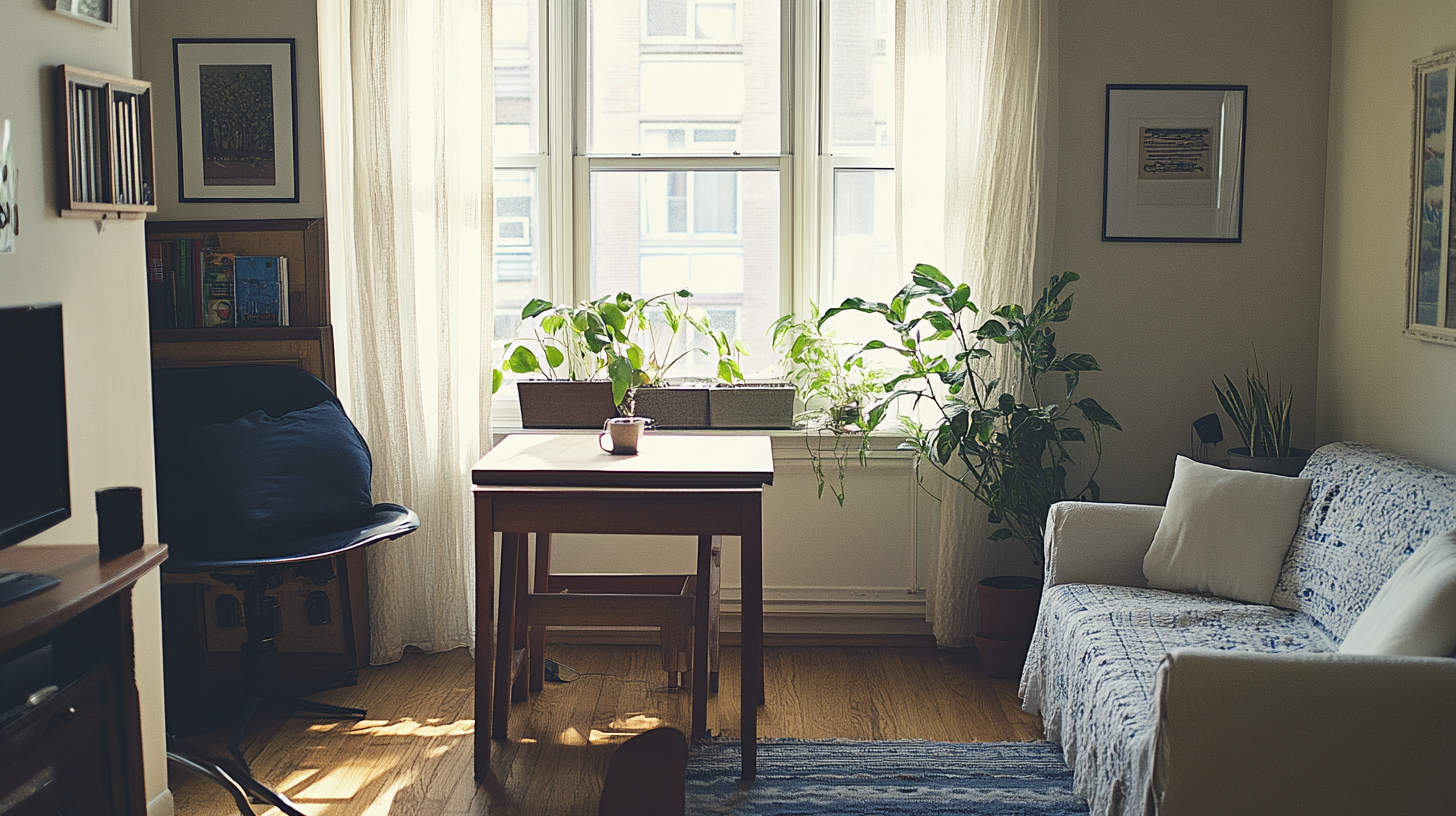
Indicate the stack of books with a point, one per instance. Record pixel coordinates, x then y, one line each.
191 285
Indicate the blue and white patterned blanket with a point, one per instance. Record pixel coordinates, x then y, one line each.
1093 658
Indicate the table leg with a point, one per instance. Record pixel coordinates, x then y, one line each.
751 686
505 633
521 637
484 633
700 637
537 638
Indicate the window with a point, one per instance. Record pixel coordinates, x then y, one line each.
655 145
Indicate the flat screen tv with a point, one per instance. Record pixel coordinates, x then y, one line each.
35 473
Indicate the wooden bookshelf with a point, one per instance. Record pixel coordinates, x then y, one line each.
107 167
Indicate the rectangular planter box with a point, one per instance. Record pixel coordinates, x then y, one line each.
565 403
761 405
673 406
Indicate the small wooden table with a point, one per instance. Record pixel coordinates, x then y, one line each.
701 486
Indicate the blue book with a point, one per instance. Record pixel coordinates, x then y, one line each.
262 290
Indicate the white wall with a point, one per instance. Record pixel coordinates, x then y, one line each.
99 277
159 21
1164 320
1375 384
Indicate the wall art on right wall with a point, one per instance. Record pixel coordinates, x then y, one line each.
1432 307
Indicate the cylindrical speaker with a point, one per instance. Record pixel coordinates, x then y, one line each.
119 520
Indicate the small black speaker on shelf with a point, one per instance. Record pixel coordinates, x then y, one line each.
119 520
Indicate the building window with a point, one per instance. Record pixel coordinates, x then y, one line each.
662 149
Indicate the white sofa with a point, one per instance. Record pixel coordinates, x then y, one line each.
1174 704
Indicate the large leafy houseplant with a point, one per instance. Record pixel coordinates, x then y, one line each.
1010 444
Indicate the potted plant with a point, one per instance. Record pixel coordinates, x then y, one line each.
1010 444
660 322
834 387
580 351
1262 417
733 402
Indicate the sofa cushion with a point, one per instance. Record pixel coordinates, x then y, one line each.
1414 614
1367 512
1093 660
1224 532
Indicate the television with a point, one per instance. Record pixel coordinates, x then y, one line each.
35 472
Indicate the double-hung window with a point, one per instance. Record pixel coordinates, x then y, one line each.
739 149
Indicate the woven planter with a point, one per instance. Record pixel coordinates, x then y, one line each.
672 406
565 403
761 405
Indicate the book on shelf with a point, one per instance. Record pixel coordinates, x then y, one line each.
262 290
182 295
217 289
158 308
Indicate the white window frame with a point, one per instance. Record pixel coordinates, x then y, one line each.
806 172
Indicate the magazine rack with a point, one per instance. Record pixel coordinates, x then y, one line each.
107 167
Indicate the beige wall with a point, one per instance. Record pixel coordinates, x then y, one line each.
158 21
99 277
1375 384
1165 319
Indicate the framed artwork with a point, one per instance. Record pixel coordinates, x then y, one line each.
1432 310
1173 163
100 12
237 106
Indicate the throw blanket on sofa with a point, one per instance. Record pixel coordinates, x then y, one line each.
1094 657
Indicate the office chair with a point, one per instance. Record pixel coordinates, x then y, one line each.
259 473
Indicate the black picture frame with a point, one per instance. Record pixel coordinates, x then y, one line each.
1173 163
239 82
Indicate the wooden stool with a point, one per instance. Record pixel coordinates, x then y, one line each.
664 601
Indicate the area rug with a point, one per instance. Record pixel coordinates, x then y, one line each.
902 777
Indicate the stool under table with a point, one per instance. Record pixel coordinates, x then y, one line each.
700 486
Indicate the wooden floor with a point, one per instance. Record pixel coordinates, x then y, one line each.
413 755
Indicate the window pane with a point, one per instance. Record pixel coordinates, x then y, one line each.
714 233
517 248
662 75
864 236
514 25
860 93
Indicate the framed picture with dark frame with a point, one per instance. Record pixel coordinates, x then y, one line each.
1173 163
237 113
1432 293
99 12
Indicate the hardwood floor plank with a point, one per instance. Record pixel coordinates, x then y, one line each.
414 754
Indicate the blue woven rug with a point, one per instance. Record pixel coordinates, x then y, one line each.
903 777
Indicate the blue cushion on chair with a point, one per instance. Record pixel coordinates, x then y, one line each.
300 470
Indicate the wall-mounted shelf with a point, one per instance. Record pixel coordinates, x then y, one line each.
108 169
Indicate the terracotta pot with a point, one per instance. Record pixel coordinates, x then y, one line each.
1002 659
1009 604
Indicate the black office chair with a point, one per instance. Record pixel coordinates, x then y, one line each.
259 473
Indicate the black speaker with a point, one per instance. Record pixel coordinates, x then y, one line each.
119 520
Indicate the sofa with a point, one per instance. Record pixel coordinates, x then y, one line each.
1180 703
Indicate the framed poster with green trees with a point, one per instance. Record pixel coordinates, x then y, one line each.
237 110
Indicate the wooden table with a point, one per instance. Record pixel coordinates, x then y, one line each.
701 486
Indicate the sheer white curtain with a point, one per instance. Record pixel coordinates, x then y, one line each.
408 115
974 119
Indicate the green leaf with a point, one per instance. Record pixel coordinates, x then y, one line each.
496 378
553 323
535 307
522 361
1095 413
1001 534
960 299
554 357
612 316
1075 362
932 274
1071 435
621 372
992 330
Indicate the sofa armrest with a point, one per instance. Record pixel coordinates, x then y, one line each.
1254 733
1093 543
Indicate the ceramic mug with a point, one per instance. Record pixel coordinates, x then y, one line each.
626 434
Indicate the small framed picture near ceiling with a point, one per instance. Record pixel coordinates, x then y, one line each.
1173 163
100 12
1432 314
237 109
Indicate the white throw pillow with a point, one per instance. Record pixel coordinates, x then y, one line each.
1414 614
1224 532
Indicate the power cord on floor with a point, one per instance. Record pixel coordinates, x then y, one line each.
562 673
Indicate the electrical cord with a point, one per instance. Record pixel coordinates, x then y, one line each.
561 673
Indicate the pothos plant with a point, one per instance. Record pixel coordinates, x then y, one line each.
835 388
1009 444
